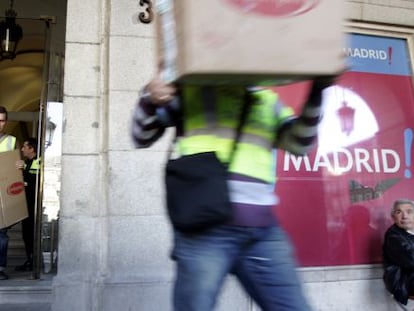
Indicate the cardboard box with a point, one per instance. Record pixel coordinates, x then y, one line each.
13 206
262 42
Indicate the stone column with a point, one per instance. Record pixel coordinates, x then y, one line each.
83 224
114 238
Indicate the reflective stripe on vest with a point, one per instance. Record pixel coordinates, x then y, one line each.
206 130
7 143
34 167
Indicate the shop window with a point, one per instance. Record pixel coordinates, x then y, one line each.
363 160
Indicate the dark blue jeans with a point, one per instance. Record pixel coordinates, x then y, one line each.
4 245
261 259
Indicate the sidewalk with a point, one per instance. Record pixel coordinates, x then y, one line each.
25 307
21 293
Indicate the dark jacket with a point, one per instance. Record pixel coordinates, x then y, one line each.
398 255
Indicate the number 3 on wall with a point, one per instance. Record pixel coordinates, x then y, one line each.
148 16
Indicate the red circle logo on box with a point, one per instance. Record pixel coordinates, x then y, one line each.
15 188
280 8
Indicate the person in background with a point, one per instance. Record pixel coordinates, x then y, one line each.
31 169
398 251
252 246
7 143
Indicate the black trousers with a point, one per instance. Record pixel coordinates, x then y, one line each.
28 231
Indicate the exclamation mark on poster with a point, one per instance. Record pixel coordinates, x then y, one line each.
389 55
408 142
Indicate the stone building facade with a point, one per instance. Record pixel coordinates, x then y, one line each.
114 239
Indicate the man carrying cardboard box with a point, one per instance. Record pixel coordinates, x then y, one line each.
227 129
7 143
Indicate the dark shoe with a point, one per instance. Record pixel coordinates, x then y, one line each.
3 275
27 266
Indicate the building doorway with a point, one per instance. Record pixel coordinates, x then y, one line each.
31 90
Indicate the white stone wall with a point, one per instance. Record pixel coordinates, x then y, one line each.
398 12
114 237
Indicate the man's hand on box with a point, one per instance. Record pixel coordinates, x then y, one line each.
20 164
159 92
323 82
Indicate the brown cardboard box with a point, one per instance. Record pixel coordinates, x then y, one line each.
13 207
262 42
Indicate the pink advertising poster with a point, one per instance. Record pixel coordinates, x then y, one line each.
335 202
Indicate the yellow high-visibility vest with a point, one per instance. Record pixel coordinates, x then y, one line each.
7 143
35 166
210 125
